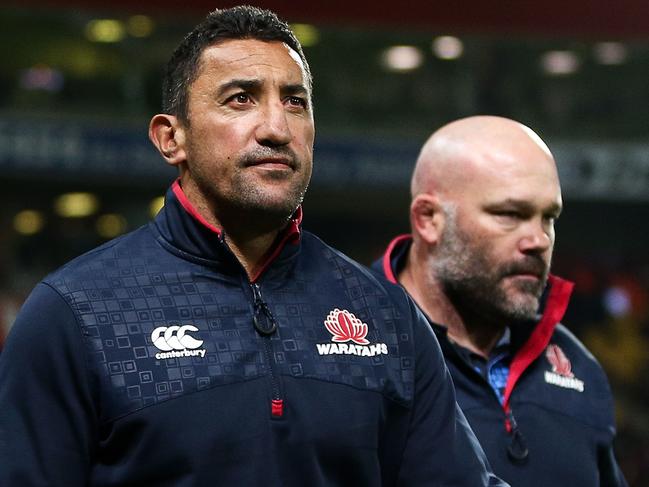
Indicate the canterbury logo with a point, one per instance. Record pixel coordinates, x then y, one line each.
176 342
345 327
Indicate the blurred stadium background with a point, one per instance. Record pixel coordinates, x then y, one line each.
80 80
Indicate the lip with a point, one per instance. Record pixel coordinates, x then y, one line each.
272 163
526 275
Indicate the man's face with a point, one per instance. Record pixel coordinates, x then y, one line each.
249 140
495 252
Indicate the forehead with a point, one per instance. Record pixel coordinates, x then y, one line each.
243 58
529 176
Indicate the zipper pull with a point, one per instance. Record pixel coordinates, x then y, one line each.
277 407
262 319
517 450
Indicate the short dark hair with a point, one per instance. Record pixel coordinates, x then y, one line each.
242 22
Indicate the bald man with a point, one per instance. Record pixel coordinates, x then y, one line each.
485 198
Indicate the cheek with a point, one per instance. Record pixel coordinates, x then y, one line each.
304 133
225 132
222 139
495 252
307 153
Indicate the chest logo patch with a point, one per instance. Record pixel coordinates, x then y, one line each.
175 341
345 327
561 374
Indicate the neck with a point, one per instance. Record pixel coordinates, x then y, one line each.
468 330
251 250
250 235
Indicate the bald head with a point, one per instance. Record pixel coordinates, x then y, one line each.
486 196
466 148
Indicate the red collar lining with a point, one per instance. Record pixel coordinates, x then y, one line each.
557 302
387 257
189 208
291 233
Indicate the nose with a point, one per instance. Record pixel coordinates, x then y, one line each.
538 237
273 128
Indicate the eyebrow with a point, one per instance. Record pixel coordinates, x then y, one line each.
253 84
295 89
554 208
245 84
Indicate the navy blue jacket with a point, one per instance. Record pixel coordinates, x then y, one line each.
556 425
154 361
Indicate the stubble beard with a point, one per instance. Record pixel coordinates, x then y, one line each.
251 198
477 286
246 201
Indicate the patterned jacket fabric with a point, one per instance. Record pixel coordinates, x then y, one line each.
555 425
154 360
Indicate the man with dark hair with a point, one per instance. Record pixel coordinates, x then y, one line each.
220 344
229 24
485 197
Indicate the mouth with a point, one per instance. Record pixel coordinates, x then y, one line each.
272 164
526 276
531 268
529 282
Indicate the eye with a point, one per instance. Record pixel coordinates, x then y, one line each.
509 215
297 101
510 218
240 98
550 220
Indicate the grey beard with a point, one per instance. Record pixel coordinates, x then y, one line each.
474 285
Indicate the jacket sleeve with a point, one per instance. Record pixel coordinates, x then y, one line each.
441 448
610 474
46 410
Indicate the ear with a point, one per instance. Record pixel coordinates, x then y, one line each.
427 218
168 136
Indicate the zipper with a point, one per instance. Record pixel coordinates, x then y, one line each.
262 319
517 450
265 324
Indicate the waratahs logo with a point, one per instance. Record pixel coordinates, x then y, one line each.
561 374
175 341
560 363
345 327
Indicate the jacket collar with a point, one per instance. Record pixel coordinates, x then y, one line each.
394 257
554 304
186 231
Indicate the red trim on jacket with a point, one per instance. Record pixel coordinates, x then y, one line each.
555 308
189 208
290 234
387 257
